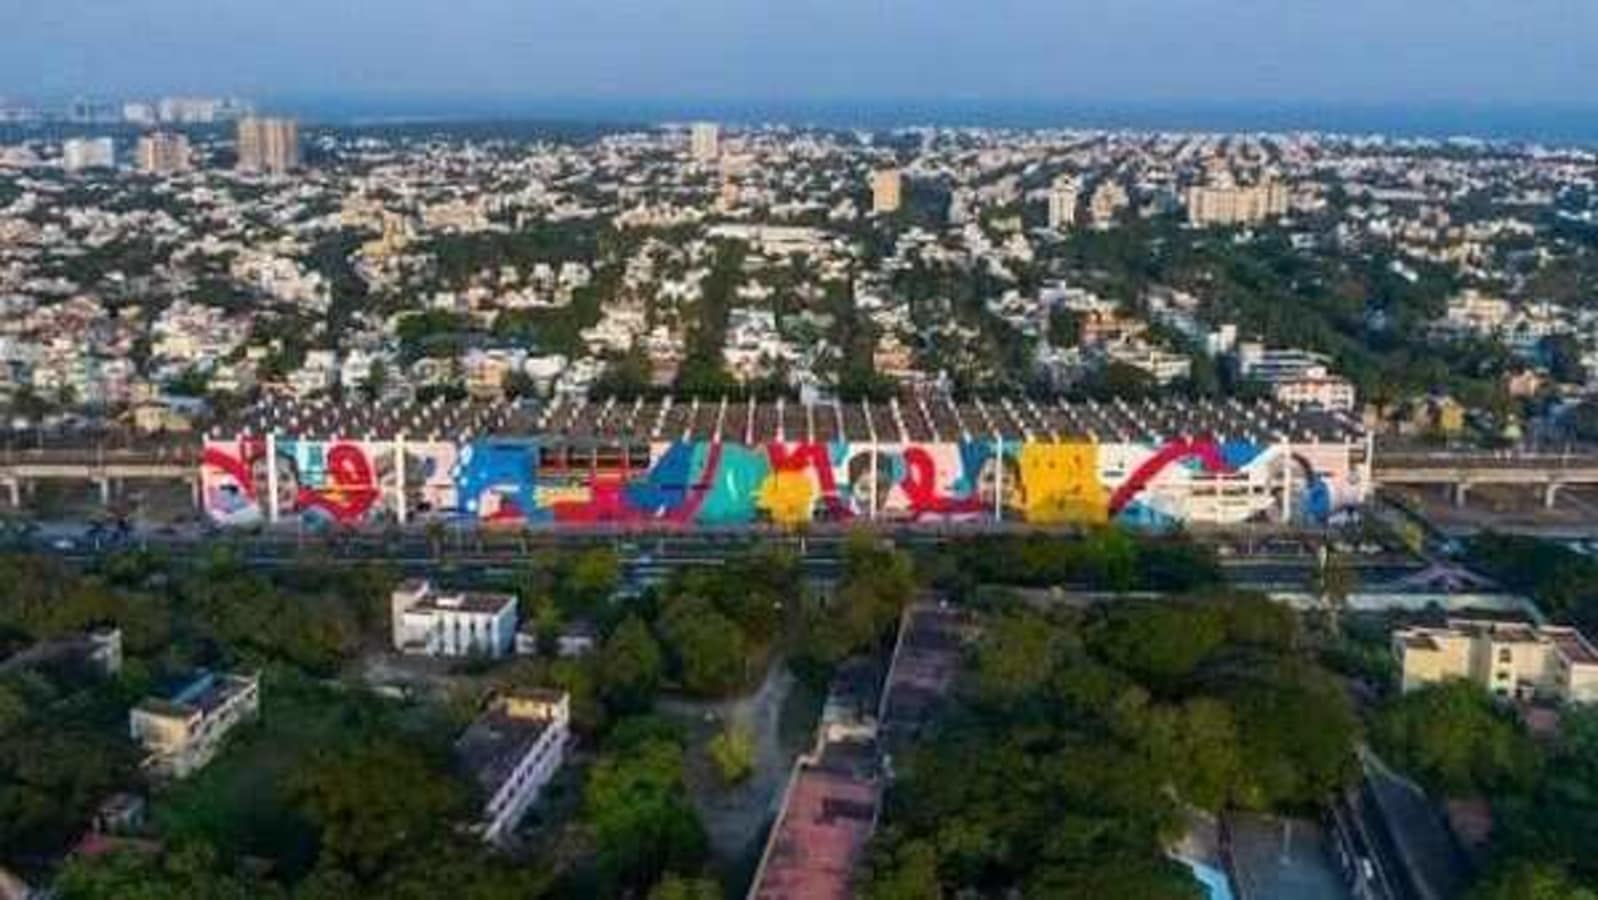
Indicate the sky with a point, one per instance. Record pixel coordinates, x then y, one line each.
1486 52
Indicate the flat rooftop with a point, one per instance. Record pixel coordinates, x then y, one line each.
819 840
610 422
203 694
468 601
494 743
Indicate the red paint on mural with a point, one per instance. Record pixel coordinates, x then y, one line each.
1205 450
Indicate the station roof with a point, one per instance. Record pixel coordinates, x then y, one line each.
901 421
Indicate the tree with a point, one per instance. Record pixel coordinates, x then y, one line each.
1531 881
733 752
706 646
1333 581
906 872
1017 655
373 802
636 805
192 872
1455 740
630 667
676 887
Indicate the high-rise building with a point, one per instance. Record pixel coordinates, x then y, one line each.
78 154
887 191
1232 205
1063 197
142 114
705 141
91 111
271 146
201 110
1109 198
163 153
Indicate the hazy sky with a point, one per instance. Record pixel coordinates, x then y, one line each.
1489 51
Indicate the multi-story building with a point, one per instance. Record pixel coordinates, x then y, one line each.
429 622
163 153
270 146
1064 195
182 733
78 154
887 190
1234 205
511 752
1511 659
705 141
1109 198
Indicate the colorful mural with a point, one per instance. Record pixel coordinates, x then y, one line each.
713 483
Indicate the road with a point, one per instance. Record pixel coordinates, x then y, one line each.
1278 563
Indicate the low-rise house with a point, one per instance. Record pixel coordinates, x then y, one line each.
182 733
429 622
511 752
1511 659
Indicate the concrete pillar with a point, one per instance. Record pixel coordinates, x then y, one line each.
1461 493
399 480
105 490
197 492
1551 494
271 478
14 488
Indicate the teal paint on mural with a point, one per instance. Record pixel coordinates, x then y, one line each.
735 485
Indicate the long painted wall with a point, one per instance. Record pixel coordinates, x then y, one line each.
252 480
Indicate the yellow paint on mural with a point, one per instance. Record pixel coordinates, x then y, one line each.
788 497
1061 484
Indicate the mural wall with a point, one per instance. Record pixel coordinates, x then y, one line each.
505 481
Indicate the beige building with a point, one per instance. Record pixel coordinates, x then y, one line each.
511 752
270 146
887 191
183 733
163 153
1063 197
705 141
1510 659
1109 198
1232 205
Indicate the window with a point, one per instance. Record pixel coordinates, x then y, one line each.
1505 655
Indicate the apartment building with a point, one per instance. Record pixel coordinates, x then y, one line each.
887 191
1511 659
163 153
269 146
183 732
511 752
1233 205
430 622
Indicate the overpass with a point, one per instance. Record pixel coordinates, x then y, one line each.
106 464
1462 470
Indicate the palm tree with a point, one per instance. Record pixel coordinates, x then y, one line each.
1333 581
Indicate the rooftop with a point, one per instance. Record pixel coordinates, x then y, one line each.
913 419
495 742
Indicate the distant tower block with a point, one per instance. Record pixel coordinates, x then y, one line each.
705 141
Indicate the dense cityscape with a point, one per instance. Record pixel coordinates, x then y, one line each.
697 510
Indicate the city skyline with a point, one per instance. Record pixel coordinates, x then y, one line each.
1148 51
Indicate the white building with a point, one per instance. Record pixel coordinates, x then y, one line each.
511 752
430 623
705 141
78 154
1511 659
183 733
1063 198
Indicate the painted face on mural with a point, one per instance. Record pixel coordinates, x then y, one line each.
999 479
288 481
871 482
